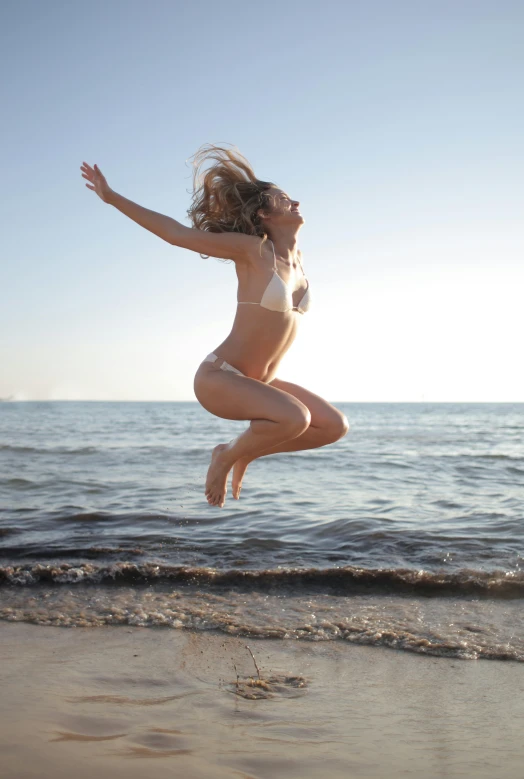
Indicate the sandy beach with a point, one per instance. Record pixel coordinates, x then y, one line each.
167 703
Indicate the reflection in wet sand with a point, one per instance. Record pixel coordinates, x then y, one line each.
84 737
123 699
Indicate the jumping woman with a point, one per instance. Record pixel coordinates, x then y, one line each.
255 224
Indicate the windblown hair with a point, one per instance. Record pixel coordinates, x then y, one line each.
227 195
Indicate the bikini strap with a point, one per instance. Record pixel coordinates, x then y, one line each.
274 256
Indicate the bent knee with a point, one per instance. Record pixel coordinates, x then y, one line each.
298 419
337 427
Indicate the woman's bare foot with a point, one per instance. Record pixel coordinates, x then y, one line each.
216 481
239 470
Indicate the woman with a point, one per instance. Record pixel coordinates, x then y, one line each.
254 223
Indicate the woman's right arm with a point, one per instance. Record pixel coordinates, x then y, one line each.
226 246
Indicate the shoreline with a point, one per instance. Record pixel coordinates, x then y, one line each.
83 699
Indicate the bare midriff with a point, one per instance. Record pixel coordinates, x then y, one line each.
259 340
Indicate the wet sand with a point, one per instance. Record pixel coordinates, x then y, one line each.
164 703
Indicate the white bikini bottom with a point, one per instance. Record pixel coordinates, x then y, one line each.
225 366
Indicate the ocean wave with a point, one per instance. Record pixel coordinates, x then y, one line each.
460 627
50 449
345 580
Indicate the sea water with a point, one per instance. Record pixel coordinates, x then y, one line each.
408 533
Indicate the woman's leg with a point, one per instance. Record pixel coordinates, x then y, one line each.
327 425
275 416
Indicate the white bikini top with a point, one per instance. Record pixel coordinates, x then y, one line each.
278 296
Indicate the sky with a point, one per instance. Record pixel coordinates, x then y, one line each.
398 126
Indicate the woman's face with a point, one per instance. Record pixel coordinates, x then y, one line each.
284 210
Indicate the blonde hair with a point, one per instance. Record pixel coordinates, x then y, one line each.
227 195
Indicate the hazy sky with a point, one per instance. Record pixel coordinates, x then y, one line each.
398 125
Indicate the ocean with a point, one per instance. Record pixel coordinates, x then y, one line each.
408 533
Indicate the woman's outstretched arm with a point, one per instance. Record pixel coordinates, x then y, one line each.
227 246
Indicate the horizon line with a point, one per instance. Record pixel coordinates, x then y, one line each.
116 400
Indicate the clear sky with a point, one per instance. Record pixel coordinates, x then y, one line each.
398 125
